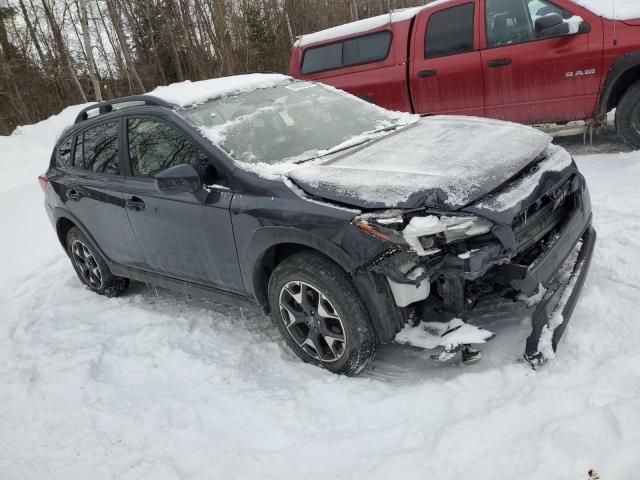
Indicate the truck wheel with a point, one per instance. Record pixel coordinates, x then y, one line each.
91 268
320 315
628 116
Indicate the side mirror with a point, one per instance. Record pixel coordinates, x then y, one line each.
551 25
179 179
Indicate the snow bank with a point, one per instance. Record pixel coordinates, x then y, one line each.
189 93
612 9
28 149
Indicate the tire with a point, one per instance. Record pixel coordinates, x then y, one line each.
91 268
628 116
320 315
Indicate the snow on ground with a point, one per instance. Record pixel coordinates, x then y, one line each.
155 386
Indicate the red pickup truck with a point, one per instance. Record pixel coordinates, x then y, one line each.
528 61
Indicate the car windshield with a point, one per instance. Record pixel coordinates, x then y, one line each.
291 121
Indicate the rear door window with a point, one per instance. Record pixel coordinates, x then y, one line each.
97 149
450 32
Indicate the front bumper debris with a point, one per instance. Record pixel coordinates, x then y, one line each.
540 256
553 313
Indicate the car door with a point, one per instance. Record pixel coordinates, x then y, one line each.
529 78
445 73
187 236
91 188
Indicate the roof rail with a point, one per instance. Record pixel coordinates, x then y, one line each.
106 107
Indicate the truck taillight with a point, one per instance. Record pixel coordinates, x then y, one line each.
43 180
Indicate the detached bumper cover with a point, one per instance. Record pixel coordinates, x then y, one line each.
552 315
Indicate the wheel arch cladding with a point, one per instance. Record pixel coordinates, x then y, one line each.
624 73
271 257
63 225
65 221
386 317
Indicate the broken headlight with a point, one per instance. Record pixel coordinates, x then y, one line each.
423 234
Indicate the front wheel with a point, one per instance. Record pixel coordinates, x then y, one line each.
628 116
320 315
91 268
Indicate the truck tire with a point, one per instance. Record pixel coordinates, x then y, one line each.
628 116
320 315
91 268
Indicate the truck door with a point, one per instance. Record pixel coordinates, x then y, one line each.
445 73
530 77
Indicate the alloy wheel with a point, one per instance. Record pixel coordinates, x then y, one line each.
86 264
312 321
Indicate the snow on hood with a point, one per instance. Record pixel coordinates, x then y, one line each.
190 93
441 162
556 160
612 9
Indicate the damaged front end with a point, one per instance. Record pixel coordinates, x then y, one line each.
439 265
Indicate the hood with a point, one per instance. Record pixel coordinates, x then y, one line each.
439 162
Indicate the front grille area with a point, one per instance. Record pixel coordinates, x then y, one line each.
545 217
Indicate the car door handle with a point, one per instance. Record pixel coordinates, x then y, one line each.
74 195
134 203
500 62
427 73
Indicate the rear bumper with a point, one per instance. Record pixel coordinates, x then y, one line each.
552 315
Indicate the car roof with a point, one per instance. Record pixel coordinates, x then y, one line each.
184 94
188 93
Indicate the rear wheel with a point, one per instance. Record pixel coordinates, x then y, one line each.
628 116
320 315
91 268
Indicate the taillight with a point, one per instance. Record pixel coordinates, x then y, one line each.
43 180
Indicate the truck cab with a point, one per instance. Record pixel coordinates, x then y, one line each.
528 61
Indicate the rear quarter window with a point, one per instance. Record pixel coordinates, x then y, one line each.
63 153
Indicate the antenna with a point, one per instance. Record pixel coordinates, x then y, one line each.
615 22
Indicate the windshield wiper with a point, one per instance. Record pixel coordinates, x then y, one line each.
336 149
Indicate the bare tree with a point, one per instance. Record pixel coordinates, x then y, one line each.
88 49
53 51
116 20
63 51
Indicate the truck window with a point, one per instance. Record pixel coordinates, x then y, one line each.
510 22
321 58
365 49
354 51
450 32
